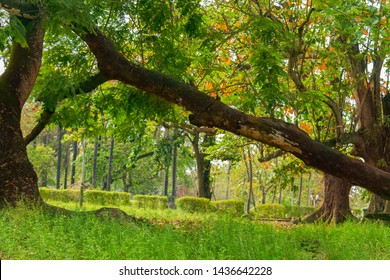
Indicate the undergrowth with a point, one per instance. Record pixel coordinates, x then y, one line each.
37 234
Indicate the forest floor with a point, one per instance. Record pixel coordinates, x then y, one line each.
170 235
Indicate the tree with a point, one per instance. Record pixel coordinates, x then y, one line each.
201 139
207 110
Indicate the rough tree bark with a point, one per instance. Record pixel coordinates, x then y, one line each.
208 111
335 207
18 180
203 166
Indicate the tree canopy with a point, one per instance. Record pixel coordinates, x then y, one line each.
305 77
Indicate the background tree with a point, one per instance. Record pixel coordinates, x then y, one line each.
210 98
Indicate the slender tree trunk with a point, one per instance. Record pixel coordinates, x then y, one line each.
66 165
59 158
174 172
110 158
82 186
300 189
203 166
263 195
274 194
172 198
250 178
292 194
280 196
308 191
127 182
335 207
166 181
44 171
74 157
94 163
228 180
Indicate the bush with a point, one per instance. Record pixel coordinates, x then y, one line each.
106 198
298 211
90 196
270 210
151 201
234 207
60 195
281 211
194 204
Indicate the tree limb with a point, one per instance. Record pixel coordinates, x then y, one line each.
90 84
19 8
272 156
210 112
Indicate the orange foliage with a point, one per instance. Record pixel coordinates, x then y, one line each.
305 127
322 66
208 85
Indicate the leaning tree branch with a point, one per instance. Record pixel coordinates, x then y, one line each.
210 112
272 156
19 8
90 84
44 119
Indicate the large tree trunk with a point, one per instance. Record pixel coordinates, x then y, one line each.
18 180
335 207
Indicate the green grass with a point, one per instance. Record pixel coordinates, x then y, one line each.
35 234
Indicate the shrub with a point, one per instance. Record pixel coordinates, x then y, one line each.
194 204
298 211
60 195
281 211
234 207
106 198
90 196
270 210
151 201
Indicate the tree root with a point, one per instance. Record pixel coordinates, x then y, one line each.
329 216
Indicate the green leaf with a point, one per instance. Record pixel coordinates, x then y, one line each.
18 31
